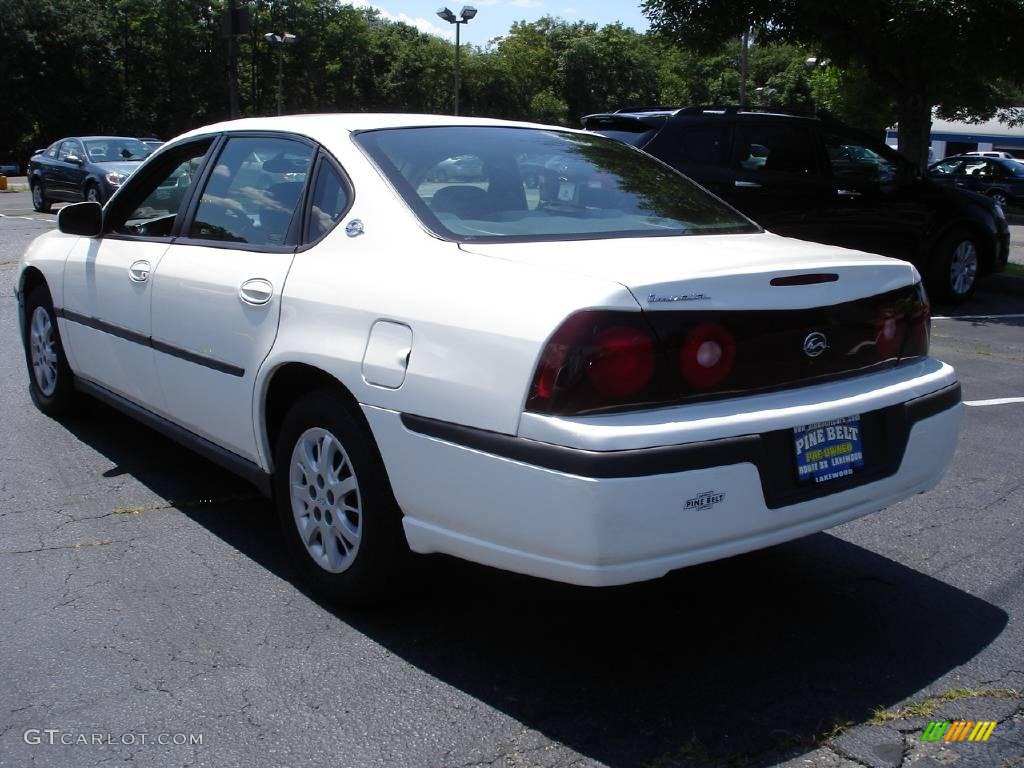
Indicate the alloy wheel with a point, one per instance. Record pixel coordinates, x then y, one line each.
325 500
963 270
37 195
43 350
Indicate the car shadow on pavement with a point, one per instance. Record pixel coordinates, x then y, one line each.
739 662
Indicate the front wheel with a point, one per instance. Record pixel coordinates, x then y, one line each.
339 519
955 271
50 377
92 194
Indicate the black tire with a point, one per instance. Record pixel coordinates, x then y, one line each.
40 202
954 271
53 396
999 197
377 561
93 194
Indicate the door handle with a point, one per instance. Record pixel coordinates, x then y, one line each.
848 193
256 291
747 184
138 272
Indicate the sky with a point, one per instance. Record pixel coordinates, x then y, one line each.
495 17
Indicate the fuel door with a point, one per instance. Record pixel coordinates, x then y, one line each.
387 354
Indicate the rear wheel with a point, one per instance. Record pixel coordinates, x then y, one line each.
50 378
39 201
340 521
999 198
954 275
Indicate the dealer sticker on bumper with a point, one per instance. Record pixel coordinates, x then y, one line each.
828 450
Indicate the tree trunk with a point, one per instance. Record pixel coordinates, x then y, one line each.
914 113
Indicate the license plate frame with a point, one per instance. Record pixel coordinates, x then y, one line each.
827 451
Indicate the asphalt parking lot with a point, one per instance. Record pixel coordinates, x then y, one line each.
144 594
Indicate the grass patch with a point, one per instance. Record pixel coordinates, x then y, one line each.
1014 270
927 707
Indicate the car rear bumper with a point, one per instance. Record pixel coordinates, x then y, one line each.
614 517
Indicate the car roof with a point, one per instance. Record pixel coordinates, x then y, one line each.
640 114
325 127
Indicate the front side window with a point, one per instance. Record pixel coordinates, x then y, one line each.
522 184
945 168
150 205
768 147
253 191
855 162
67 148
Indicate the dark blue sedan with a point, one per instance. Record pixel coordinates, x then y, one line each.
83 168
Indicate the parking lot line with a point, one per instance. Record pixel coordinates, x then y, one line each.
995 401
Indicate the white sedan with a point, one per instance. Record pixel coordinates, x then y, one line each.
597 378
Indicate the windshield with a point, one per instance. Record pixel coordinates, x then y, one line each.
116 150
482 183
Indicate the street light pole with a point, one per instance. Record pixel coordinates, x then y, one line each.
467 13
279 42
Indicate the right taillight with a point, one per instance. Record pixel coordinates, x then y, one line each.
919 322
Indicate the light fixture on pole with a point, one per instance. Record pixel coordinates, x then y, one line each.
467 13
280 42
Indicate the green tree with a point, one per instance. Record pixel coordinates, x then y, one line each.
921 53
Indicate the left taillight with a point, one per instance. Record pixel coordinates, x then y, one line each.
594 361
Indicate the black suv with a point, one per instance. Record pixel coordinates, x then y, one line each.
815 178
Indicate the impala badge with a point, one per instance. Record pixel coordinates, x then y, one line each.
655 299
815 344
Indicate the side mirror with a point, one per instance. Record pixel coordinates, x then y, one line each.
83 219
73 159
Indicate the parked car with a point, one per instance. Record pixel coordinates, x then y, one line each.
817 179
1005 155
597 381
10 168
1000 179
152 142
83 168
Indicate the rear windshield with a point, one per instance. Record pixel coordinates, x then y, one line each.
482 183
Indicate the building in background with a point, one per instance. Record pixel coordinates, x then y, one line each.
951 138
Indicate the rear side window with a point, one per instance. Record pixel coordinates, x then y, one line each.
704 145
330 201
253 191
768 147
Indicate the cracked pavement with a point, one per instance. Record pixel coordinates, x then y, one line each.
144 592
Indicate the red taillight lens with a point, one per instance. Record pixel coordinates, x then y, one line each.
707 356
919 321
621 362
890 331
595 360
901 329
